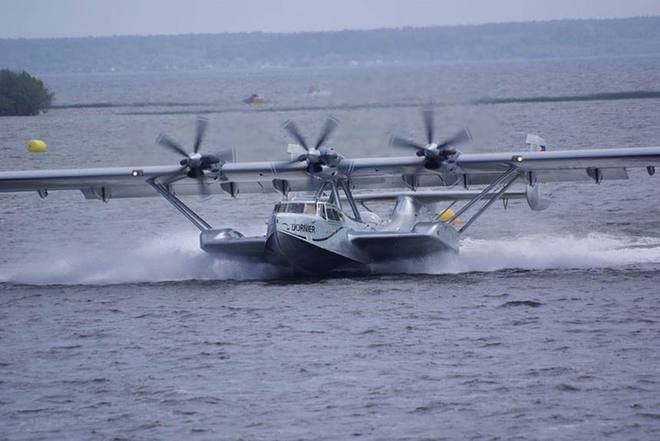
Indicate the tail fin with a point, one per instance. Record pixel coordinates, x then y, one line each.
535 143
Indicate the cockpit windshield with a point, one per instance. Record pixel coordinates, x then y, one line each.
296 207
310 208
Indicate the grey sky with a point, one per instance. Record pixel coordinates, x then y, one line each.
61 18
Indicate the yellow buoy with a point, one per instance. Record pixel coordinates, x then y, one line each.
36 146
447 214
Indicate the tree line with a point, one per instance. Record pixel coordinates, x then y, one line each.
551 39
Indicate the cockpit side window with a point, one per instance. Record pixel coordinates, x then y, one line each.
310 208
333 214
297 208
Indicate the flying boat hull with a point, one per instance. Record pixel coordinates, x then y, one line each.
343 250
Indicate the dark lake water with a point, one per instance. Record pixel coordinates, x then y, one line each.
114 325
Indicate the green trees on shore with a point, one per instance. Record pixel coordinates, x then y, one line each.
21 94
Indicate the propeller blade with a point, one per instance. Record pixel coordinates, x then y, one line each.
330 126
462 136
291 127
171 144
397 141
427 115
203 188
202 123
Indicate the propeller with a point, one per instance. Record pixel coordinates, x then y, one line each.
317 155
435 152
194 164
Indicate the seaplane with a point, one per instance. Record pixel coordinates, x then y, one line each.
321 221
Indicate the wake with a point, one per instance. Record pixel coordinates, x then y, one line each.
176 257
165 258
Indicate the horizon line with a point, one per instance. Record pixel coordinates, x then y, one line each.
333 31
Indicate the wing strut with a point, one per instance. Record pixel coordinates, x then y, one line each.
179 205
507 178
349 197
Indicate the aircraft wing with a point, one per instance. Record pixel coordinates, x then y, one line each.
549 166
127 182
363 173
566 165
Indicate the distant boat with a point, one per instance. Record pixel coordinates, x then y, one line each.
316 91
255 98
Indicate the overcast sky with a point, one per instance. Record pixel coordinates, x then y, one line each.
64 18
